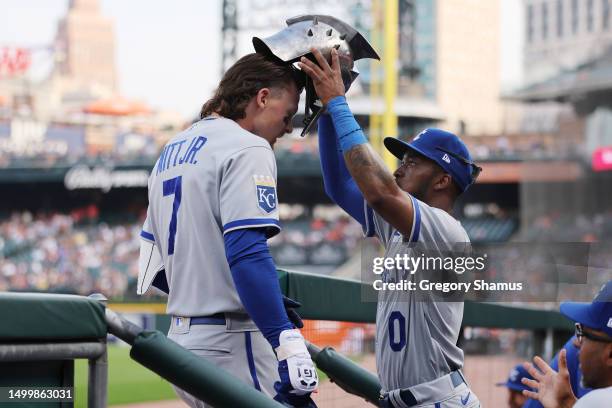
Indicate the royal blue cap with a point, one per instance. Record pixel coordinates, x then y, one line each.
596 315
443 147
514 379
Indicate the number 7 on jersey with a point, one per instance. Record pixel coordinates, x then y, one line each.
173 187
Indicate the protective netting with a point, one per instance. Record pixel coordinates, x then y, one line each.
490 356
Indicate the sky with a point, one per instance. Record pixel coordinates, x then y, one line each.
167 56
168 52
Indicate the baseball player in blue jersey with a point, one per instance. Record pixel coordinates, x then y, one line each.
212 207
418 361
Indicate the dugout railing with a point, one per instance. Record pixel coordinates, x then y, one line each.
42 334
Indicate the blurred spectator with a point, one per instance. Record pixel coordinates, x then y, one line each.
60 147
555 227
515 387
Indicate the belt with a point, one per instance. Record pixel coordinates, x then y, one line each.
217 318
409 399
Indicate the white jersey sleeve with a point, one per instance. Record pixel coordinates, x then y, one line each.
150 261
377 226
248 191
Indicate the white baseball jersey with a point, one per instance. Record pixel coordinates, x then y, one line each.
416 340
600 397
210 179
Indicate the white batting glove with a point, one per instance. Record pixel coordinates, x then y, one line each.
302 372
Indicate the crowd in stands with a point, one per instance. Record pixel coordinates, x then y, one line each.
67 253
522 147
327 241
564 228
503 147
63 145
558 256
27 143
84 252
81 253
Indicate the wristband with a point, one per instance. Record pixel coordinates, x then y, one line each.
291 344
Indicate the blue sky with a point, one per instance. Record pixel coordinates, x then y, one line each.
168 52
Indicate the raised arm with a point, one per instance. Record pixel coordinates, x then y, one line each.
339 185
372 177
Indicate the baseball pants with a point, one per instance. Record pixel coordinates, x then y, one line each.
236 347
450 391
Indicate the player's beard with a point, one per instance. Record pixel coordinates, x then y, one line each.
421 190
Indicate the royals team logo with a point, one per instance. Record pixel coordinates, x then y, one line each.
417 137
265 189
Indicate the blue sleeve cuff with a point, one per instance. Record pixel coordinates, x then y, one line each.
336 101
147 235
271 225
416 223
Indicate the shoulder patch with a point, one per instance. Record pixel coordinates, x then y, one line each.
265 190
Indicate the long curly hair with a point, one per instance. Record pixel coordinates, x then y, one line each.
244 79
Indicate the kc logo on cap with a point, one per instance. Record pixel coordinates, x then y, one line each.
417 137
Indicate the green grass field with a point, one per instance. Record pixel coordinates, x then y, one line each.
128 381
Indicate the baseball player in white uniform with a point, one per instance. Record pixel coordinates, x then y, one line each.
212 206
418 361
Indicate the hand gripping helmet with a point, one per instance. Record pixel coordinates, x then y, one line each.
323 33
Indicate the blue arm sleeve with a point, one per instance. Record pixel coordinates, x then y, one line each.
256 281
348 130
339 185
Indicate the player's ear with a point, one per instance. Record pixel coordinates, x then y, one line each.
608 355
443 181
262 97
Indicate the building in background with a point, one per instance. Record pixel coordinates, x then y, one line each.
567 99
81 67
458 52
562 34
76 110
568 69
448 62
85 47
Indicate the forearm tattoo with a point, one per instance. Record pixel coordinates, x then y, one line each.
367 168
